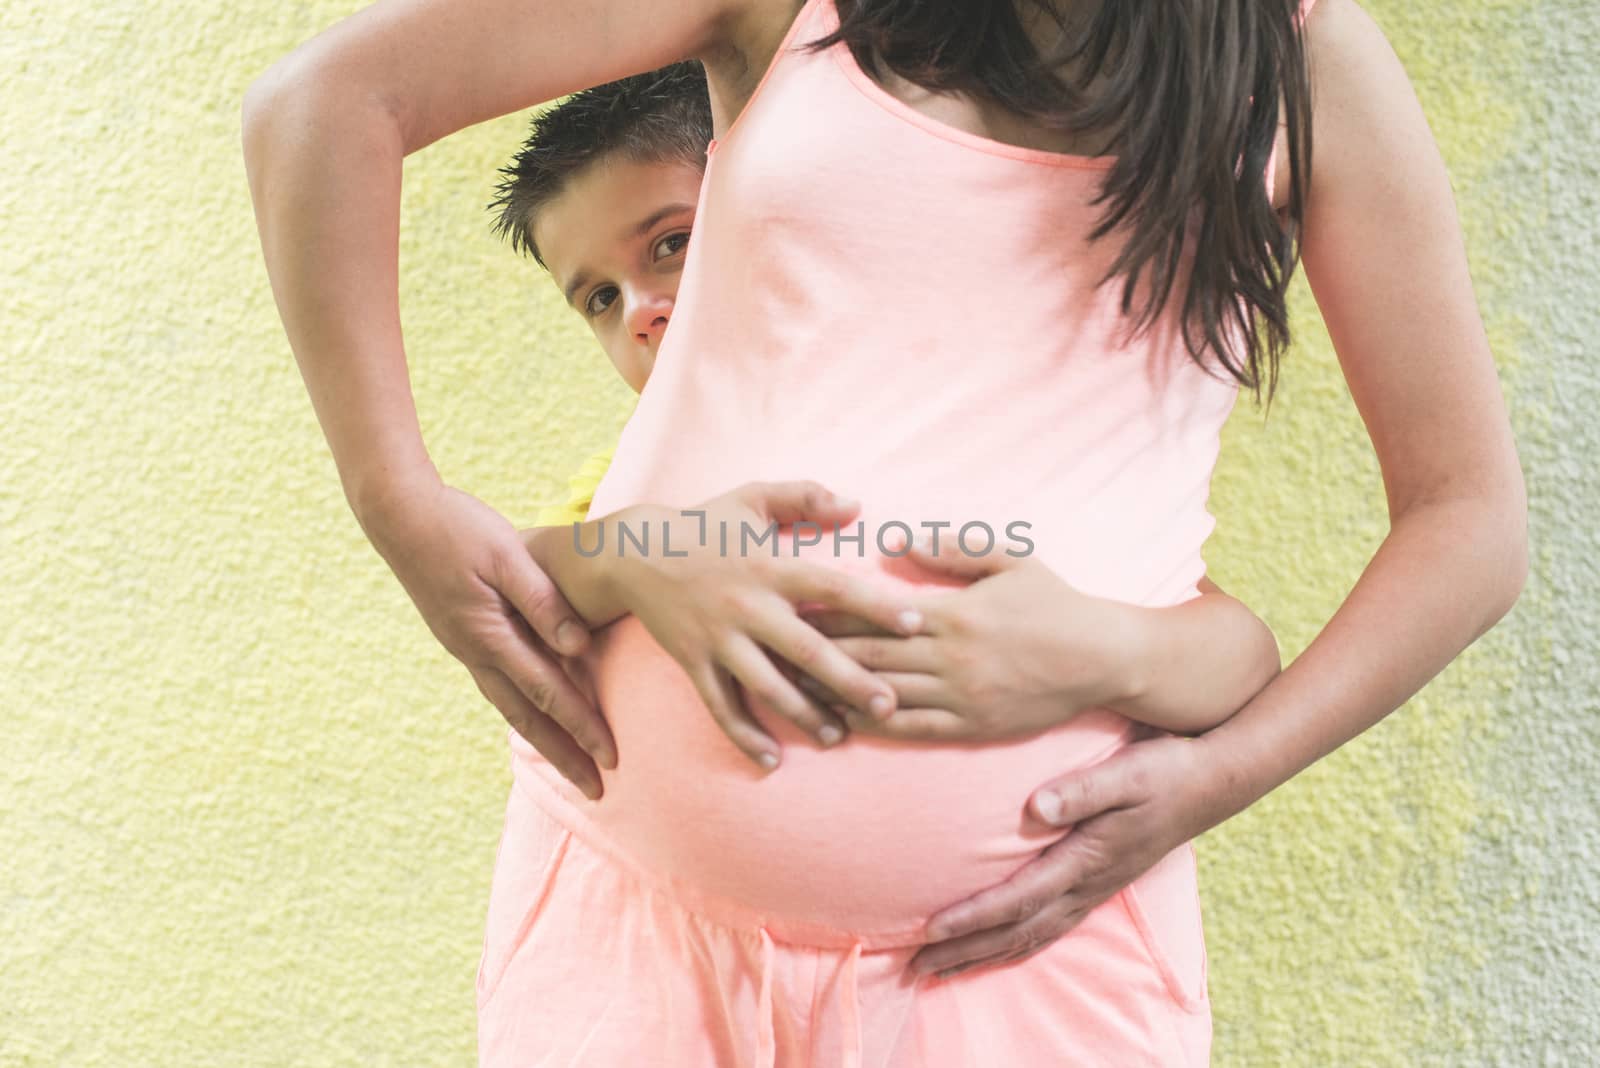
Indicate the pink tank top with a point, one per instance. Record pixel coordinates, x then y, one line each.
907 313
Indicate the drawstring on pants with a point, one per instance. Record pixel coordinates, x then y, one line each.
766 1040
849 1001
850 1011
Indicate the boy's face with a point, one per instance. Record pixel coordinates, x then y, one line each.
614 240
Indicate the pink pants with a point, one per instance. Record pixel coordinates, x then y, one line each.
589 960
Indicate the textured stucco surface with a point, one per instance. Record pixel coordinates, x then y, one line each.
248 808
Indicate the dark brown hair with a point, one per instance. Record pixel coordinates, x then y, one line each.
660 116
1188 92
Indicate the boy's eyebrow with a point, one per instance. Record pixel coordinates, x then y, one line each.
644 226
649 222
579 280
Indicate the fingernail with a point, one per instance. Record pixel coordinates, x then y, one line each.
608 760
939 930
569 637
881 705
768 760
830 734
910 621
1048 806
846 502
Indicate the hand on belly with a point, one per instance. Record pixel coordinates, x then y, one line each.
873 835
1014 652
713 588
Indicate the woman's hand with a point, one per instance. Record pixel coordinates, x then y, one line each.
1016 652
725 612
492 608
1125 814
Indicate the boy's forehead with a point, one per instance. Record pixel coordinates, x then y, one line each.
607 207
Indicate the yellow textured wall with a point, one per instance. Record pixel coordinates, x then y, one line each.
248 807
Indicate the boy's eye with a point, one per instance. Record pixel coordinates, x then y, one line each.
672 244
600 300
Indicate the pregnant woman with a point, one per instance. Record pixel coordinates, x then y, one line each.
897 291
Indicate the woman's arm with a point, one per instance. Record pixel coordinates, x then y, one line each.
1384 254
325 131
1385 258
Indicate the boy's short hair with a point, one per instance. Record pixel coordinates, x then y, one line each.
660 116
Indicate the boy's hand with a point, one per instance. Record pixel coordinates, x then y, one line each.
493 609
725 617
1016 652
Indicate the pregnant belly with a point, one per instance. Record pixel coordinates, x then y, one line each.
869 838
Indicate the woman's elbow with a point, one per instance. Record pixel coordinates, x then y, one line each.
300 91
1508 523
1502 536
267 98
1516 569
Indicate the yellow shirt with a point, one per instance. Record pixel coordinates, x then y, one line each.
580 491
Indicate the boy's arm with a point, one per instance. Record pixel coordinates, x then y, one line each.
726 619
553 544
1191 666
583 580
1019 649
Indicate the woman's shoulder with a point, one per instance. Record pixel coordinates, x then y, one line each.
1355 79
1358 87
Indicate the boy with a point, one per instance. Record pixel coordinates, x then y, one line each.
603 196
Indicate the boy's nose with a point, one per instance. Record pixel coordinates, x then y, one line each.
648 317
